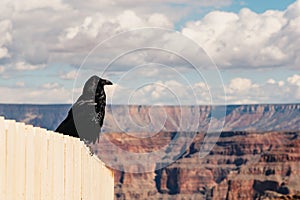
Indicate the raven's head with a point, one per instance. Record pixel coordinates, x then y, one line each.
104 82
93 84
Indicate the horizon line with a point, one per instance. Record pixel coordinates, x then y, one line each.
59 104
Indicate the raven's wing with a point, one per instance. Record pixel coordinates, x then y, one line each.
67 126
86 119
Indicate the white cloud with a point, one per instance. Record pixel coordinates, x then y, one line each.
248 39
3 53
20 84
71 75
103 26
294 80
242 90
281 83
2 69
161 92
35 95
29 5
22 66
271 81
51 86
205 3
5 37
240 85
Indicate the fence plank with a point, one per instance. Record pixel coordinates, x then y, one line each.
20 172
58 175
29 166
44 165
2 159
84 173
11 159
50 166
77 173
37 163
69 168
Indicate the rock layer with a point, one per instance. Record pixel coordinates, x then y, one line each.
241 165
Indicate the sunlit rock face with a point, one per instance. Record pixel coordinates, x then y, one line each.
241 165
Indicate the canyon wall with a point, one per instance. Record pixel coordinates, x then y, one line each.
241 165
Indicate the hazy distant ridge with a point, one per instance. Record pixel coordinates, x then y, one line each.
238 117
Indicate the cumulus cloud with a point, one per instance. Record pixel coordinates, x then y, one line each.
20 84
29 5
35 95
71 75
205 3
2 69
5 38
240 85
51 86
242 90
271 81
248 39
22 66
294 80
169 92
98 27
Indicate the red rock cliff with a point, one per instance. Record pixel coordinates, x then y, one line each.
242 165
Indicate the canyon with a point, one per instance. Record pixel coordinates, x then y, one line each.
241 165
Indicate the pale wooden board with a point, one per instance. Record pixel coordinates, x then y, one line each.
69 168
37 162
2 159
11 159
20 172
29 166
44 159
84 173
50 166
77 173
58 175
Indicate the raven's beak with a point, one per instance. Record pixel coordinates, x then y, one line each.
107 82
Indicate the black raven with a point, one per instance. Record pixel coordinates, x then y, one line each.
85 118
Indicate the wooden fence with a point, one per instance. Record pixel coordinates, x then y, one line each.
40 164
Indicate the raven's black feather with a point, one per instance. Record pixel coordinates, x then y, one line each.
86 116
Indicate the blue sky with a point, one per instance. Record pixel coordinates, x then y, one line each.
253 43
260 6
235 6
